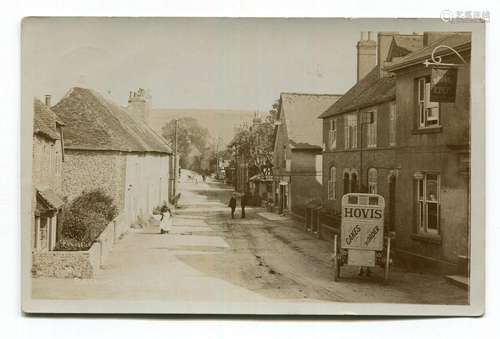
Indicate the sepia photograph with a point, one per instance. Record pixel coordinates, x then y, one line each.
252 166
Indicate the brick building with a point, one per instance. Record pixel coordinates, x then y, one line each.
48 155
433 154
112 148
381 138
297 159
359 130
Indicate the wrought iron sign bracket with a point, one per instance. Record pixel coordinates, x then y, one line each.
436 60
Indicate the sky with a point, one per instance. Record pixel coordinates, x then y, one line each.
210 63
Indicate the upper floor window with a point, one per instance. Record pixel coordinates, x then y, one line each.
428 111
332 180
392 124
371 129
351 131
332 134
372 181
428 202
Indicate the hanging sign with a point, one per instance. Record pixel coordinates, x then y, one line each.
443 84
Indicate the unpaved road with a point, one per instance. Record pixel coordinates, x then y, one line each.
211 257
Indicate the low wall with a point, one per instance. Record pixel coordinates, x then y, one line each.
67 264
79 264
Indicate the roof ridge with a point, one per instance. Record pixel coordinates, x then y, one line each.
310 94
98 122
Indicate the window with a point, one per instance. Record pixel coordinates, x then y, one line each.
428 111
332 134
351 131
371 129
392 124
332 195
428 202
372 181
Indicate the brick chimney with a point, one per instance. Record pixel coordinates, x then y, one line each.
48 99
139 105
367 54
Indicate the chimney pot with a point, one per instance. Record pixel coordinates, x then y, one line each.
48 98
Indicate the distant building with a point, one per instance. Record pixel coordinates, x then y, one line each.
48 155
110 147
297 160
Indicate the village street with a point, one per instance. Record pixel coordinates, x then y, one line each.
210 257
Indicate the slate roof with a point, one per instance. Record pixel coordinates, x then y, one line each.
458 41
369 91
301 112
94 122
44 120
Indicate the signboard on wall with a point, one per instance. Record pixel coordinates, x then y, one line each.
443 84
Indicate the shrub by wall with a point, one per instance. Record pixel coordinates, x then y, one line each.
84 219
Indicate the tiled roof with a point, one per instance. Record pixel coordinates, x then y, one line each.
453 40
44 120
369 91
301 114
94 122
50 198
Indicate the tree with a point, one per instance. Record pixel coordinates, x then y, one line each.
192 139
255 144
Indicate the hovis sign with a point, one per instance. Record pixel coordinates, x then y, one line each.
443 84
362 225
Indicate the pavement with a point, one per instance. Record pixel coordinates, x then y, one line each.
263 258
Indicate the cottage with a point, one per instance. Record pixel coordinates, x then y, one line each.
297 159
359 130
112 148
433 154
48 155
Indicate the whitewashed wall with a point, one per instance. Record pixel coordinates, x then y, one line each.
146 184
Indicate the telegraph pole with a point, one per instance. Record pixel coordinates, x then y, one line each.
175 156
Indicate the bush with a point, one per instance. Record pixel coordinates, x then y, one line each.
84 220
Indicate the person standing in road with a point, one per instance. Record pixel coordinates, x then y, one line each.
232 205
166 220
243 203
